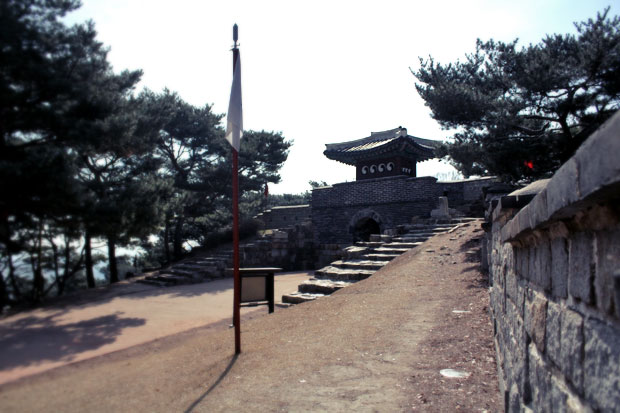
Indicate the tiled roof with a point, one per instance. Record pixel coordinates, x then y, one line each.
394 140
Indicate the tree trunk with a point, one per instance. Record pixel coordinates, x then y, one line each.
4 294
38 285
167 241
17 294
88 260
67 273
178 239
112 259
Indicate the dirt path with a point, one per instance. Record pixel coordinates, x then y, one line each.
378 345
118 318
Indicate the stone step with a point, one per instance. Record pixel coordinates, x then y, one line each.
380 238
298 298
368 244
166 280
400 244
326 287
430 230
153 282
387 250
180 272
340 274
223 255
359 264
355 251
380 257
209 260
420 234
426 226
199 268
410 239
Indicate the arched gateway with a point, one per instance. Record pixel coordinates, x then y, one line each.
365 223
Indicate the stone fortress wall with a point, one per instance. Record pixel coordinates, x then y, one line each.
334 211
554 267
390 201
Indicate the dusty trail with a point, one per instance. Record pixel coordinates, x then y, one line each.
375 346
118 318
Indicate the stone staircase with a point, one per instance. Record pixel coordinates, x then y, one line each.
363 259
191 271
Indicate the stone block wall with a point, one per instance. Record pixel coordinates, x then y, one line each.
466 195
375 191
285 216
390 201
290 248
555 285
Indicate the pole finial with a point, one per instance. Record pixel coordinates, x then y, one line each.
235 33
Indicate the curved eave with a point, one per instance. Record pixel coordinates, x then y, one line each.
394 147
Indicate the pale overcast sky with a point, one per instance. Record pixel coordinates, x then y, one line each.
317 71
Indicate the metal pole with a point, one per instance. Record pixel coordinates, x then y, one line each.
235 200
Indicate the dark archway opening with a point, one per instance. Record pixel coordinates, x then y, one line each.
364 228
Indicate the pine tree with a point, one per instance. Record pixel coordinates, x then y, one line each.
57 91
521 112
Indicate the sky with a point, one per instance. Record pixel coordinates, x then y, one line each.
317 71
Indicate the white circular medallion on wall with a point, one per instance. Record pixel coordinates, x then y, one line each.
381 167
373 169
364 170
390 166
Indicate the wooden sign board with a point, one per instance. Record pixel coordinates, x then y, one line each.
253 289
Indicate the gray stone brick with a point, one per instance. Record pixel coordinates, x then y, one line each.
497 297
563 189
505 233
522 261
538 209
571 348
581 267
521 291
518 362
553 334
607 262
507 257
559 396
540 382
531 265
511 285
511 316
559 267
602 365
535 319
514 400
543 265
523 219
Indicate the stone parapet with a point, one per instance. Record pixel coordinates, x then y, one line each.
554 260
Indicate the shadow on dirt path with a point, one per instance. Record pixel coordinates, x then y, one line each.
34 339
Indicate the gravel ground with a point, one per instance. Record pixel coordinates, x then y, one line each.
378 345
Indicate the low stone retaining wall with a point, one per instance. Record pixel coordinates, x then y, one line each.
290 248
554 263
285 216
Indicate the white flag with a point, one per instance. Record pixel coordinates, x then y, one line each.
234 120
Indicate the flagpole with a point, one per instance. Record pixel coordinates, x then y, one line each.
235 200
